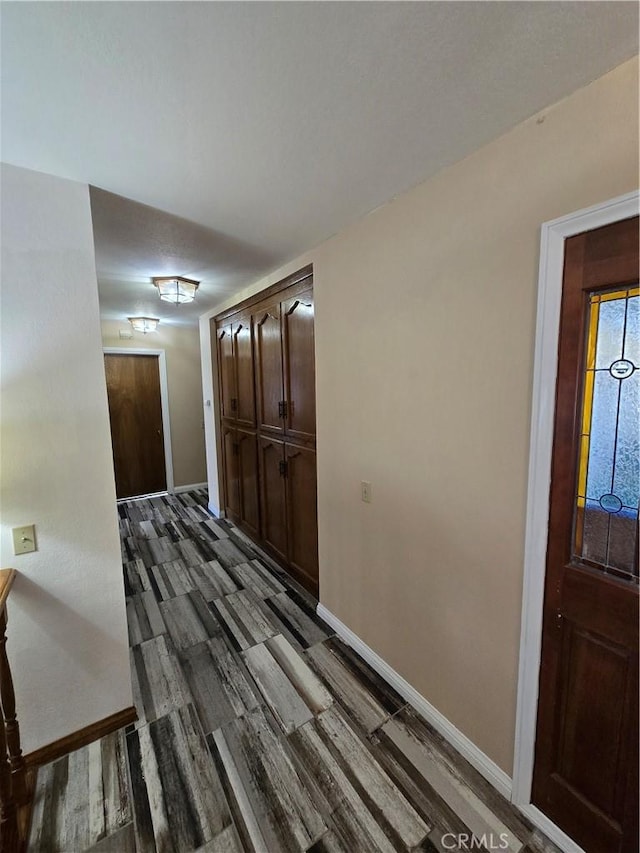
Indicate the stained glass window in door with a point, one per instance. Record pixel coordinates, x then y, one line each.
608 489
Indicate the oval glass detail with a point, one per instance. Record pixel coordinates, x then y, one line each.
621 369
611 503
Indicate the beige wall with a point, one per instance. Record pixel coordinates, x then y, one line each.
184 380
425 325
67 636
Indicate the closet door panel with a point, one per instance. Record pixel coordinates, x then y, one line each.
231 473
273 495
248 477
226 368
299 366
269 379
302 513
243 356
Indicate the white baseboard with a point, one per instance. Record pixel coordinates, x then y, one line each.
177 489
142 497
553 832
482 763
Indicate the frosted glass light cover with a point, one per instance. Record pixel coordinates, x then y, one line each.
144 324
177 289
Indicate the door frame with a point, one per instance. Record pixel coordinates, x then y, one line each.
164 401
552 239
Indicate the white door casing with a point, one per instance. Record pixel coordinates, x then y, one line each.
553 236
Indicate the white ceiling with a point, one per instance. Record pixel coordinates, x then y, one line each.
260 129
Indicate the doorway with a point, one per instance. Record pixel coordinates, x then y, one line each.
575 771
138 414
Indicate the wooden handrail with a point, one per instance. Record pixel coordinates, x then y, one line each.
13 791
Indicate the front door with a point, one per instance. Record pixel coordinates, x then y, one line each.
135 412
586 759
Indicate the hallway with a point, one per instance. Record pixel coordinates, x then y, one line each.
258 729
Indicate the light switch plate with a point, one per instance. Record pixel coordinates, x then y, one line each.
24 539
366 491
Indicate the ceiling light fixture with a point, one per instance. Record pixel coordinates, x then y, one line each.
176 289
144 324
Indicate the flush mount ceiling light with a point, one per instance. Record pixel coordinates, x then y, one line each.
144 324
176 289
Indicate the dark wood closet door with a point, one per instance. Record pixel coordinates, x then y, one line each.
269 379
299 366
135 413
231 472
302 514
248 476
227 372
245 408
586 762
273 495
267 423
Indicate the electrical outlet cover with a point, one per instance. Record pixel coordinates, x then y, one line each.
366 491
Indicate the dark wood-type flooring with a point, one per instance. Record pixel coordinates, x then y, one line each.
258 729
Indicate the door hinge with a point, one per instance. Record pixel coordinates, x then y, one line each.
284 469
282 409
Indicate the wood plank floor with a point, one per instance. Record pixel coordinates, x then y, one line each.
258 729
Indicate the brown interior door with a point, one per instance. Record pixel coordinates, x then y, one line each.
302 514
269 380
586 760
243 353
299 366
135 413
248 477
273 495
226 366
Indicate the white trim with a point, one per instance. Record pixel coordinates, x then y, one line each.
482 763
143 497
164 400
553 235
553 832
178 489
214 510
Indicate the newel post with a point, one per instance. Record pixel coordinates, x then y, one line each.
9 841
12 729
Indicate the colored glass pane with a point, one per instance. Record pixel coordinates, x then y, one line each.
603 435
608 487
632 336
627 468
610 331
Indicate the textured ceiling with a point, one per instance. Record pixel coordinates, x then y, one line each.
263 128
135 242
